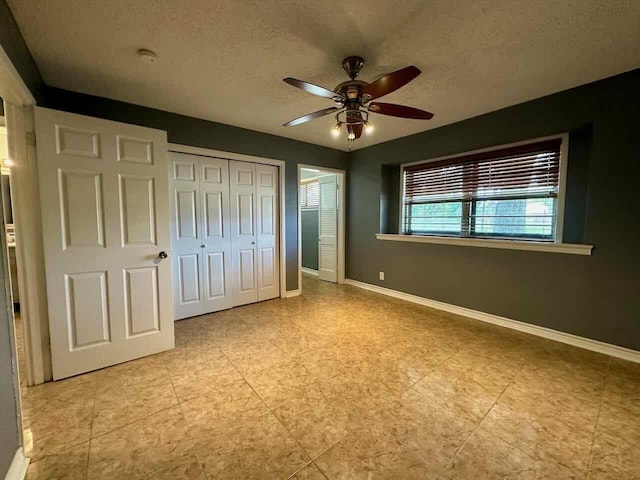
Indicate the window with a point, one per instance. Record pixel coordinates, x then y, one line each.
508 193
310 195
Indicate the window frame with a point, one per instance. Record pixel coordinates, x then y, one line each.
560 199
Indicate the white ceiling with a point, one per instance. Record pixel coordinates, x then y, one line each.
224 60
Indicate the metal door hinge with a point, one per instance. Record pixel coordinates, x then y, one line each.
31 138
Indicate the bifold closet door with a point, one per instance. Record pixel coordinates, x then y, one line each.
267 229
242 184
216 243
185 233
200 230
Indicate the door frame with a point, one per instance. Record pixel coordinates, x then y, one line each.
19 106
207 152
341 175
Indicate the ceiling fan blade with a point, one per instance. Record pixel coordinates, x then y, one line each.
313 89
399 111
390 83
311 116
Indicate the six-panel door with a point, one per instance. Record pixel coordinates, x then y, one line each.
185 236
105 217
242 183
216 243
268 257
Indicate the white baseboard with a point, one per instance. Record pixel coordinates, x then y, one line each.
310 271
576 341
19 465
291 293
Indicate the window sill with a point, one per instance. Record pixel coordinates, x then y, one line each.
568 248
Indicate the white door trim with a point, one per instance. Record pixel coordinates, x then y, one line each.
18 106
207 152
341 220
12 87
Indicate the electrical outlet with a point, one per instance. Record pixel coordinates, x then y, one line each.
381 275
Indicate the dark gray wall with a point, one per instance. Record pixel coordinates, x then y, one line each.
16 49
594 296
201 133
309 228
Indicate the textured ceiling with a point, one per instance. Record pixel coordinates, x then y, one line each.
224 60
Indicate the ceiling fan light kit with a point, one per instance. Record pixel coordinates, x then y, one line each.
354 97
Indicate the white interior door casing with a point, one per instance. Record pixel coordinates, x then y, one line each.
328 229
268 257
105 217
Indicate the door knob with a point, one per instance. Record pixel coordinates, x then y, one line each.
203 246
253 243
163 255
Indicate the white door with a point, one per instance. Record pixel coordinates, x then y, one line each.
186 251
242 185
216 243
267 232
105 217
200 234
328 229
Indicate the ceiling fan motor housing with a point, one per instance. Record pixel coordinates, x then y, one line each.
352 65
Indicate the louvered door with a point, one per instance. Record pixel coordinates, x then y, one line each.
328 229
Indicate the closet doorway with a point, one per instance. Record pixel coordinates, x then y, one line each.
225 231
321 201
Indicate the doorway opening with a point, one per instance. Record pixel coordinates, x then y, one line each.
321 201
10 238
23 341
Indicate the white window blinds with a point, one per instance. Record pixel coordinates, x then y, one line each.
505 193
310 195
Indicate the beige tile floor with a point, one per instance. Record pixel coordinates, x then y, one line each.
342 383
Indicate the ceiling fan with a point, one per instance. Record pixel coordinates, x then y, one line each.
354 99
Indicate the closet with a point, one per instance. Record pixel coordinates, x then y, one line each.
224 233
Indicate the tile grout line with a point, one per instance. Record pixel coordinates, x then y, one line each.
274 416
320 470
144 417
597 425
433 368
195 446
310 462
455 455
93 411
